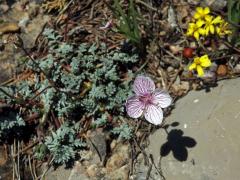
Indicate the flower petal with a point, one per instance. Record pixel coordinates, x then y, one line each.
192 66
197 15
202 31
199 23
217 20
200 71
211 29
161 98
205 61
206 10
134 107
143 85
153 114
199 10
208 18
196 35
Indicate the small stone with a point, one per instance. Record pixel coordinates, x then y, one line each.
92 170
222 70
162 33
113 144
121 173
236 68
193 45
23 22
175 49
119 158
4 8
9 28
196 100
98 144
215 4
170 69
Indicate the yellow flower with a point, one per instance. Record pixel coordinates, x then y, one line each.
201 12
223 29
195 29
210 23
199 63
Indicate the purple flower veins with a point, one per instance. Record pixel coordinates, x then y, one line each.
147 100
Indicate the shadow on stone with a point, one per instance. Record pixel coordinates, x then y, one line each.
178 144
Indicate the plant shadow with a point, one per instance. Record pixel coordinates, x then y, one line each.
177 143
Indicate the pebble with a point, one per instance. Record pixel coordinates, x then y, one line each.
4 8
214 4
92 170
196 100
119 158
170 69
222 70
23 22
9 28
121 173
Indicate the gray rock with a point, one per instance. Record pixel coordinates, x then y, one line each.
214 4
211 120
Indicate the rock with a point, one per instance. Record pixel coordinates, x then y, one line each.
175 49
9 28
236 68
23 22
172 17
214 4
4 8
181 88
214 124
92 170
119 158
119 174
98 144
170 69
222 70
61 173
113 144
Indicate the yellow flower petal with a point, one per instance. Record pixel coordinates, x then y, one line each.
205 61
192 66
202 31
199 10
200 71
211 27
196 35
206 10
208 18
199 23
207 30
196 60
217 20
197 15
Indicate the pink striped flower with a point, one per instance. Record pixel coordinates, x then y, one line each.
147 100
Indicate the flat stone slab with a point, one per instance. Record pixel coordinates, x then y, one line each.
205 145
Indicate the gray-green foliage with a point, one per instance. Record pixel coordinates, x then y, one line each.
10 121
63 143
124 132
92 81
83 78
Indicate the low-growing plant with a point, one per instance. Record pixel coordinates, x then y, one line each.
63 143
72 81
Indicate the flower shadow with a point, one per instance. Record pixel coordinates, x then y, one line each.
178 144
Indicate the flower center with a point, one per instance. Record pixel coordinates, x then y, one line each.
146 99
197 61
